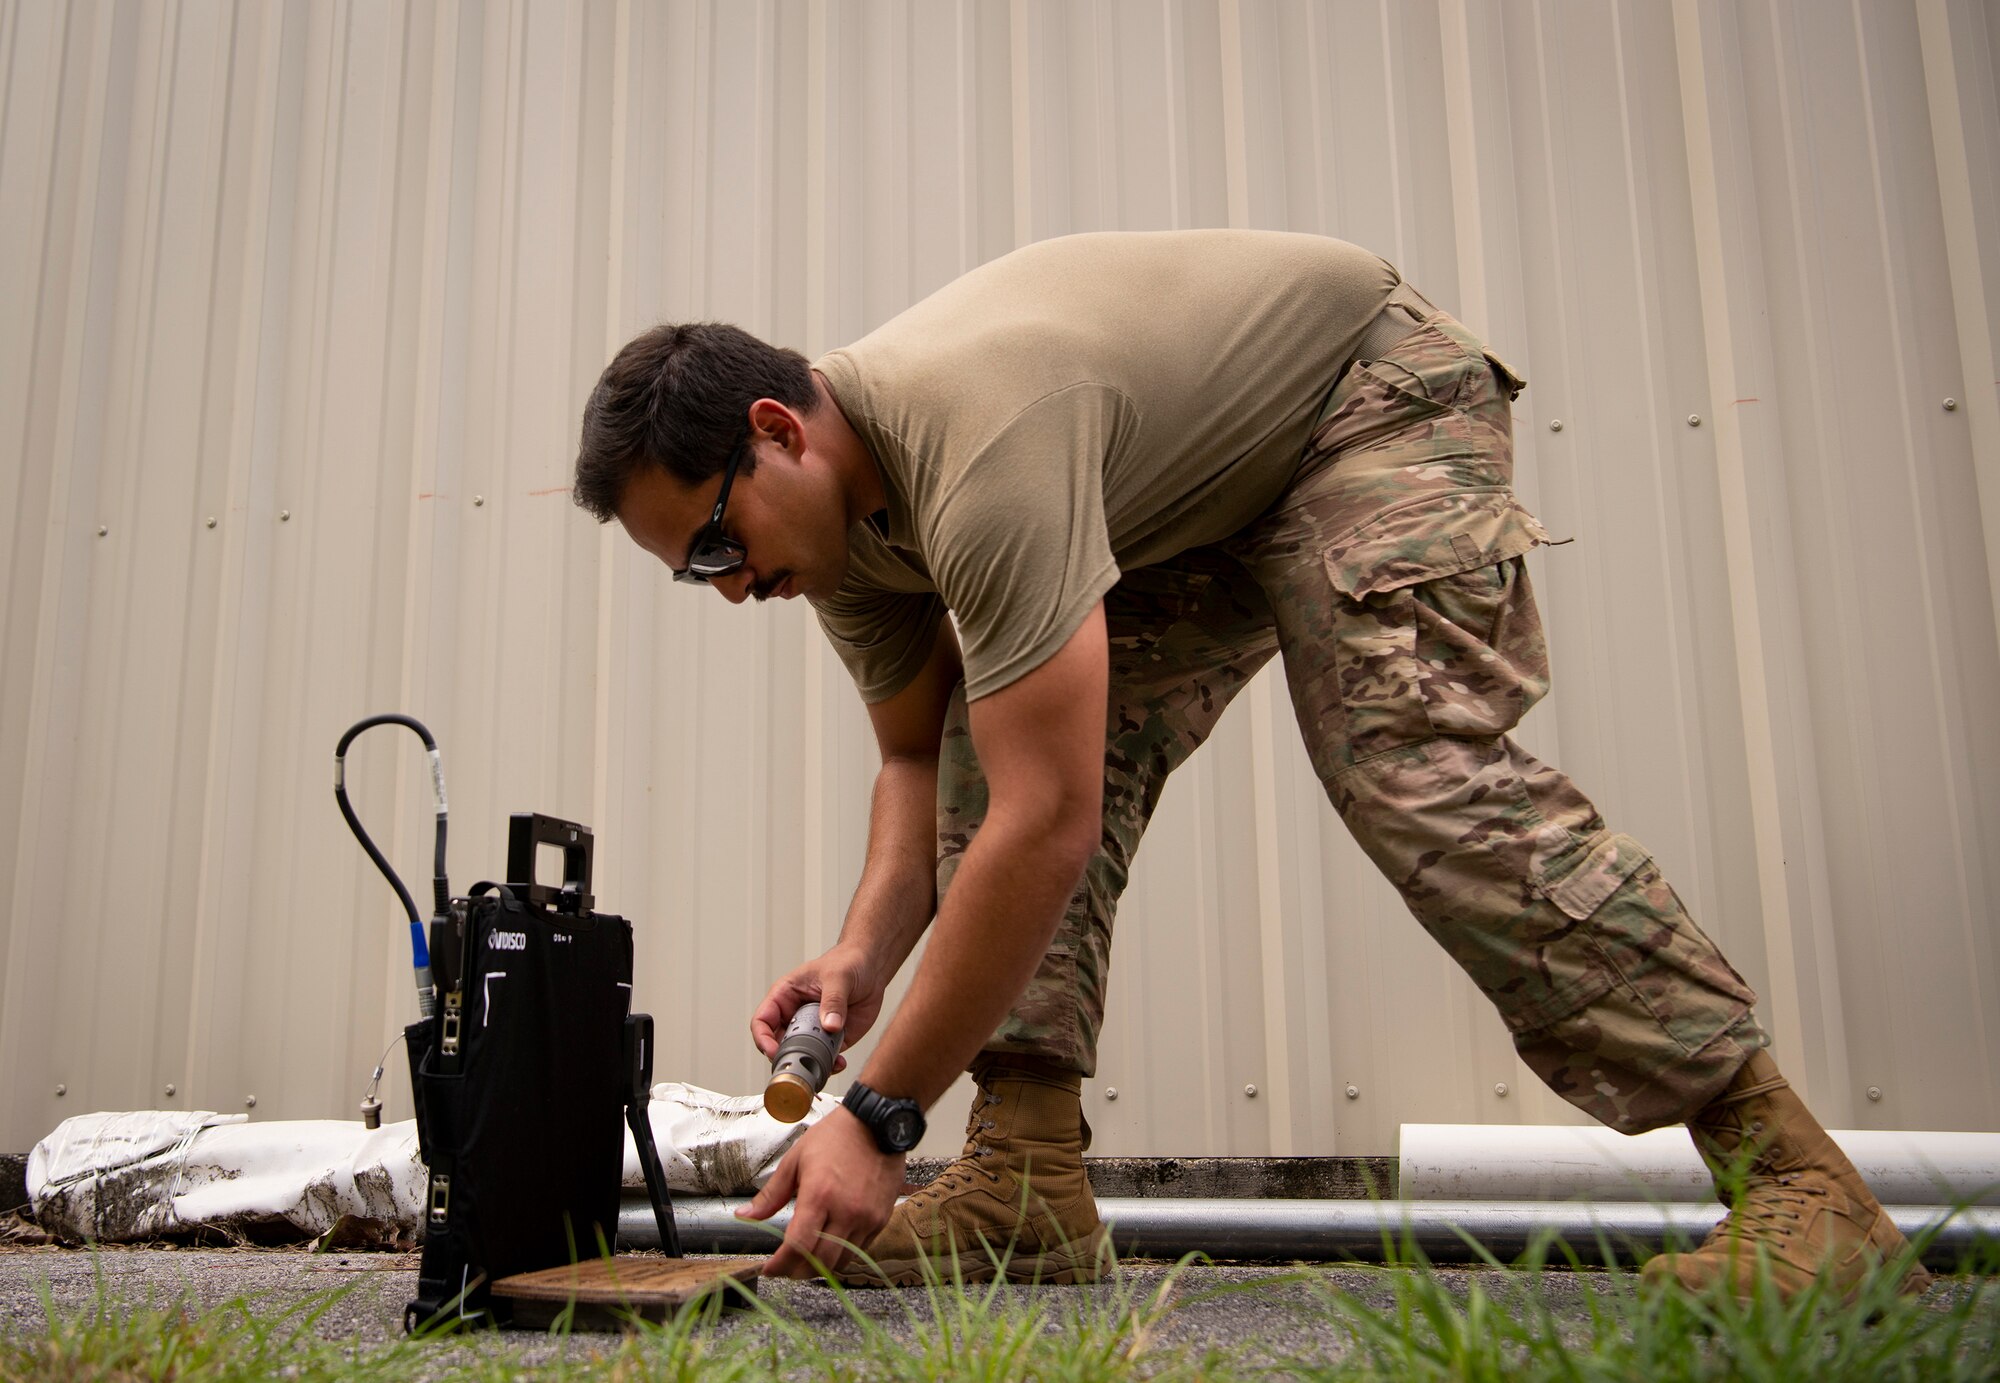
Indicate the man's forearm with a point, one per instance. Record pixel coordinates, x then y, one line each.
897 894
1005 902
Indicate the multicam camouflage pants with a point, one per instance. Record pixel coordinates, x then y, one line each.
1390 577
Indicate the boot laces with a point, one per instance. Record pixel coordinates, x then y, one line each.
966 1168
1768 1205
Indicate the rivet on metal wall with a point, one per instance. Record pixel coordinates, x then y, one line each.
1951 405
249 1101
1110 1092
211 520
284 516
479 501
1353 1092
170 1090
1251 1091
1694 420
61 1090
1500 1089
102 530
1555 424
1874 1092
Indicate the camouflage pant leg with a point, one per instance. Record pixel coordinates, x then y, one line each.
1185 636
1411 646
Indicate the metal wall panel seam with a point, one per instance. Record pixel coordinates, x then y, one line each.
34 952
397 544
311 170
1277 1026
701 179
965 116
10 20
1557 310
1739 546
129 742
1646 234
1318 122
337 612
422 501
1899 335
1950 117
205 79
310 175
764 185
1179 198
1465 151
1975 330
1020 82
818 236
27 542
821 923
625 55
226 840
1462 144
1107 211
30 114
1819 987
1400 246
769 702
1236 153
1272 919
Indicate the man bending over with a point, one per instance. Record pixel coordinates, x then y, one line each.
1133 467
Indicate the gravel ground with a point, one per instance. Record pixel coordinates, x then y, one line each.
1278 1321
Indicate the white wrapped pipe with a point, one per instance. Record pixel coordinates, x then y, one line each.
1492 1162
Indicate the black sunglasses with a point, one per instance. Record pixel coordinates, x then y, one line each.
713 553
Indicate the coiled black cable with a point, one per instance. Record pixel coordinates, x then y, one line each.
440 886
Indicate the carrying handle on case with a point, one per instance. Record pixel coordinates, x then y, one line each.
527 832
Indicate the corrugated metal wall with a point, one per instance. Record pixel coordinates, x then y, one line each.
299 305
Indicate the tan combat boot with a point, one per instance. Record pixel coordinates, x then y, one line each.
1800 1202
1017 1194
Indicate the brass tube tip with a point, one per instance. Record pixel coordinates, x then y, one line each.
787 1097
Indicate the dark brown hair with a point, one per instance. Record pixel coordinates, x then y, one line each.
679 396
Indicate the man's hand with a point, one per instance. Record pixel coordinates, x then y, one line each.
845 1186
844 985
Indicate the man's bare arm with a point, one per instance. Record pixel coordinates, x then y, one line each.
1040 742
897 894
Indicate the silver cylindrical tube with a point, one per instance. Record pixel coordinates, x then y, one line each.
800 1069
1287 1231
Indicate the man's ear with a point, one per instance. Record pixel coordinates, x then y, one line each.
781 423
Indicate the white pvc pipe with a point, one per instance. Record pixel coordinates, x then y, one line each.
1496 1162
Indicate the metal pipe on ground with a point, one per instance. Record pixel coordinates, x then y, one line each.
1537 1162
1365 1231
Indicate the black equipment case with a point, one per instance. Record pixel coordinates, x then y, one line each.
520 1078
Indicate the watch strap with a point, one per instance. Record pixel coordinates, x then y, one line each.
874 1109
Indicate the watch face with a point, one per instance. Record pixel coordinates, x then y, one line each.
903 1128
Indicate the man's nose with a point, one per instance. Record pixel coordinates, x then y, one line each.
735 587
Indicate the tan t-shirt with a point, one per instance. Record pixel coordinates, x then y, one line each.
1080 406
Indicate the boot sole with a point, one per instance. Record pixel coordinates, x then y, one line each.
1071 1265
1915 1282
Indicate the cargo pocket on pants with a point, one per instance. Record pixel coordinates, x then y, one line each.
1044 1020
1376 568
1632 926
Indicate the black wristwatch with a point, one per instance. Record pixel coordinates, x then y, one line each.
898 1125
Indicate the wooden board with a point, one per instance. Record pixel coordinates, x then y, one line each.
609 1292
